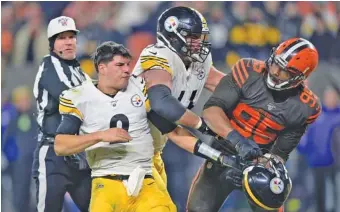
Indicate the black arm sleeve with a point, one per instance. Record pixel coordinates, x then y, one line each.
164 104
287 141
51 79
161 123
69 125
226 96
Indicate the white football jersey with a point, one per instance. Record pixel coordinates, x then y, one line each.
187 84
98 112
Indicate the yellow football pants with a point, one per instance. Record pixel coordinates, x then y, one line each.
110 196
158 172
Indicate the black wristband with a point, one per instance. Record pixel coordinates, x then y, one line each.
205 129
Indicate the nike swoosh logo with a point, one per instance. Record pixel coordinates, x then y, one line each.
154 53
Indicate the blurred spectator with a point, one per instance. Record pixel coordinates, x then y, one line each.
7 16
140 11
23 130
272 11
322 38
318 147
334 51
8 112
289 22
30 43
137 42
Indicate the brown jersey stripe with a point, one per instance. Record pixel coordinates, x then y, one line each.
235 76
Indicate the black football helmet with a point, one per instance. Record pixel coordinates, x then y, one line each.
267 188
185 31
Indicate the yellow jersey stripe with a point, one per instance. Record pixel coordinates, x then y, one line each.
147 105
154 58
157 61
66 104
149 64
65 100
252 196
70 110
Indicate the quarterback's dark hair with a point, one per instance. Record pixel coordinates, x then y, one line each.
107 50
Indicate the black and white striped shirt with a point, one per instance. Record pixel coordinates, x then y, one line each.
54 76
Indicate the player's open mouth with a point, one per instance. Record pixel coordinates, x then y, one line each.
275 80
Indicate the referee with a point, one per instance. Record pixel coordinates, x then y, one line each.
55 175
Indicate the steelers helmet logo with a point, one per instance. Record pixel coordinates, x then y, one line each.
171 24
276 185
136 100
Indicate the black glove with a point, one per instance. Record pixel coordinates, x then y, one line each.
234 173
205 129
234 177
233 161
246 148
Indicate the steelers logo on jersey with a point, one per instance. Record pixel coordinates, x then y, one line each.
200 73
136 100
171 24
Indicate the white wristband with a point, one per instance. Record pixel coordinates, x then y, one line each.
211 153
199 124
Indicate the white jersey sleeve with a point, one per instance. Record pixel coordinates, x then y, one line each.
154 57
70 102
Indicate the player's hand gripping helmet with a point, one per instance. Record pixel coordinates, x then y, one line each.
267 185
298 57
185 31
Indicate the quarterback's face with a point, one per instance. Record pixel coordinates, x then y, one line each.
118 71
65 45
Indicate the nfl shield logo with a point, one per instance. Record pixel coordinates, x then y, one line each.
63 21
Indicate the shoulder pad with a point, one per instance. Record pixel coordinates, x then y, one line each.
69 101
245 68
312 103
154 57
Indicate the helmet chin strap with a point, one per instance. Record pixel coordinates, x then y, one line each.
279 87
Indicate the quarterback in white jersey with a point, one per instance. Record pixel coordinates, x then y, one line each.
109 122
176 69
99 112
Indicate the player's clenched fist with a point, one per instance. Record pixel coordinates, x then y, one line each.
115 135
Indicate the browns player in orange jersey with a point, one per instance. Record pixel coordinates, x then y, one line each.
261 107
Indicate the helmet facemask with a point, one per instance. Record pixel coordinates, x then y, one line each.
197 47
194 47
295 76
